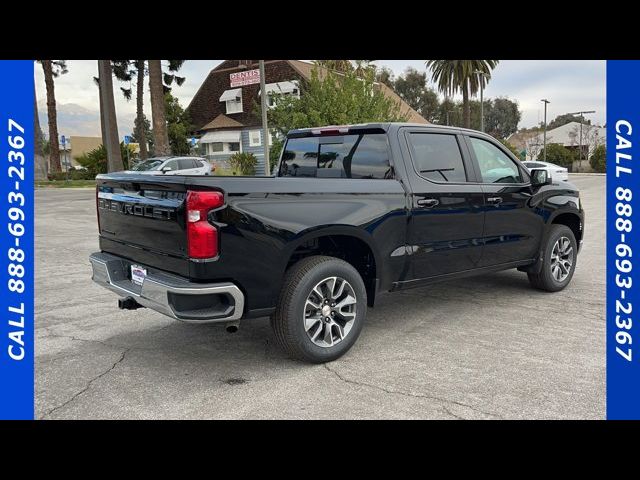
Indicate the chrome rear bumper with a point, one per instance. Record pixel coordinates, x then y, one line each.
168 294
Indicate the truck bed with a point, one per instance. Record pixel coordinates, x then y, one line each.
263 221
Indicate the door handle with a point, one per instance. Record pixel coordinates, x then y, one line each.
494 200
427 202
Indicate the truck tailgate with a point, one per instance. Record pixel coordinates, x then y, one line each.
143 213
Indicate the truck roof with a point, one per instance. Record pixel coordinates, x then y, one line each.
381 127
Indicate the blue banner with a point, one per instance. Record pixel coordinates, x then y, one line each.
623 247
16 239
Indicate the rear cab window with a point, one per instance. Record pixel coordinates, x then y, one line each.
357 155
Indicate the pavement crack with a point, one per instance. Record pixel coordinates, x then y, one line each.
449 412
410 394
88 385
79 339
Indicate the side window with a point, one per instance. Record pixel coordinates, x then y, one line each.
437 157
185 164
172 164
495 165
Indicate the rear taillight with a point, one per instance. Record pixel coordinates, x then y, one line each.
202 237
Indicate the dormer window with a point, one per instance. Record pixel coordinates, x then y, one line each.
233 100
284 88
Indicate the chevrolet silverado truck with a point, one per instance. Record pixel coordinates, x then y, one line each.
352 211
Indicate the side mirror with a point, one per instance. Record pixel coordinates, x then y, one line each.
539 178
166 169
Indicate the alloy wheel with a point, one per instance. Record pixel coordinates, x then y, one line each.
562 257
330 311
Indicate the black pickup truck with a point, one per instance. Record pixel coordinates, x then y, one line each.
352 211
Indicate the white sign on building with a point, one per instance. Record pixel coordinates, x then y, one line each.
247 77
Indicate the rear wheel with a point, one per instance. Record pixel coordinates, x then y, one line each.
559 260
321 309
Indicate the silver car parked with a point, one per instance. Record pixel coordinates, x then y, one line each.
173 166
556 172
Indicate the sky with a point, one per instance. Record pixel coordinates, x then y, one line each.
570 86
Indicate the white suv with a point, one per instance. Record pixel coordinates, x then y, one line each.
173 166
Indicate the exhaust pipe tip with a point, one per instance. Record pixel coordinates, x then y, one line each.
232 327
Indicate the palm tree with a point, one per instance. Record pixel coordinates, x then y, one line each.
40 163
53 69
108 117
140 134
158 117
125 71
454 76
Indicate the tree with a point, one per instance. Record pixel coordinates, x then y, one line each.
453 76
95 161
169 77
501 117
243 163
448 113
178 126
533 143
146 132
598 160
126 71
158 117
274 152
108 115
53 69
412 88
557 154
141 133
40 164
336 65
336 99
591 139
511 148
385 75
565 118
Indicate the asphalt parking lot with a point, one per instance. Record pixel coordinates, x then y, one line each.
488 347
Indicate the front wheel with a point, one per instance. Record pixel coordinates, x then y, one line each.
321 309
559 260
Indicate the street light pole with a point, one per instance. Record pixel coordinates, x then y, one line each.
544 135
265 130
483 76
580 144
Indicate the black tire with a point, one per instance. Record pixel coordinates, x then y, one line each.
545 280
288 321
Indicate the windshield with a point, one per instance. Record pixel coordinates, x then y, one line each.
147 165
